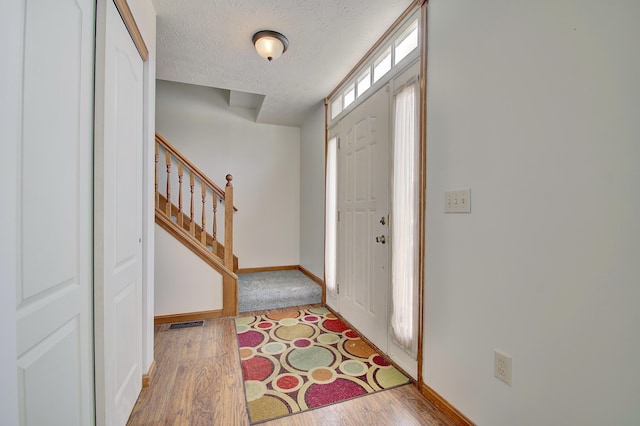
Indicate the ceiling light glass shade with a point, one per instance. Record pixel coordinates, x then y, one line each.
270 44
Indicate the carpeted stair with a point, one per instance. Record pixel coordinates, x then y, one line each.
269 290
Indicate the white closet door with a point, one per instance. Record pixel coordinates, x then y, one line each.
54 283
118 180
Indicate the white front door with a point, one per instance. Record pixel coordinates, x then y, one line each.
54 210
363 205
118 205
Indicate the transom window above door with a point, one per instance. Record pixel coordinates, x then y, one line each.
399 49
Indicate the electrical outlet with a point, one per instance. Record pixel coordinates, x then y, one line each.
457 201
502 366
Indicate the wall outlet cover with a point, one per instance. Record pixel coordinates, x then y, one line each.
502 366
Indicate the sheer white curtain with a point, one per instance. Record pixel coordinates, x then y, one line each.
331 209
404 219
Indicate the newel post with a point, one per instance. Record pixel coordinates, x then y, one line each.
229 284
228 224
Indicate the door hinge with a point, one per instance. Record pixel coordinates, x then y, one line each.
338 215
337 288
338 143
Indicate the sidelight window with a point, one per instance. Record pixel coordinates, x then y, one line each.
405 238
331 219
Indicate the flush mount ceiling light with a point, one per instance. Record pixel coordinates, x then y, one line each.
270 44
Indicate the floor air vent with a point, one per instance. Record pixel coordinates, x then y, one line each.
186 324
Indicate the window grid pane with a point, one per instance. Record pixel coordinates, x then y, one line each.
383 66
336 107
349 95
407 44
364 82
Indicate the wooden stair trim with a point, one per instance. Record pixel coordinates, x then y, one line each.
267 269
229 278
312 276
186 221
191 243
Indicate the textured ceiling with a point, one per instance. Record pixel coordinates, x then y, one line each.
208 43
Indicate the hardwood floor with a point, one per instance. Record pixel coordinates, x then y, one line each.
198 381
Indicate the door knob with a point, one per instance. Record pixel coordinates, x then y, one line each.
381 239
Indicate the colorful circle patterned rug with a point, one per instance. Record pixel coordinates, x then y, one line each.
300 360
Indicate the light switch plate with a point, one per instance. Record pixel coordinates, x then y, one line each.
457 201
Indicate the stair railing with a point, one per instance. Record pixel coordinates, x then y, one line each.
200 222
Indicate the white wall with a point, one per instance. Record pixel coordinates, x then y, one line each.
263 159
312 153
10 92
535 106
184 282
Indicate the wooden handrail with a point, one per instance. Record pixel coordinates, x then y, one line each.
181 158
